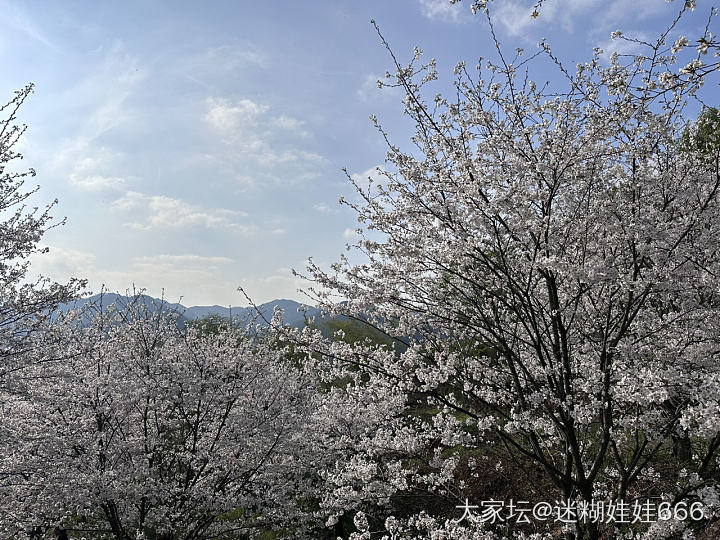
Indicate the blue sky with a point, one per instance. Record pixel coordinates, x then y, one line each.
197 147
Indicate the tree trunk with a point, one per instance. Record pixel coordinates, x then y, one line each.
682 448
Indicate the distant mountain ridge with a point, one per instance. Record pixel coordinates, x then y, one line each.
295 314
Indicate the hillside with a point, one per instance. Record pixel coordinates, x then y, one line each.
294 313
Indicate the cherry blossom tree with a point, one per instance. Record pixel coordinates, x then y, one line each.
24 304
145 430
547 263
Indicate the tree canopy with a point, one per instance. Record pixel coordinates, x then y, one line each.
536 322
553 256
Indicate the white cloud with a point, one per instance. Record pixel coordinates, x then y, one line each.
245 125
92 172
98 104
192 278
160 211
515 15
97 182
105 93
323 208
288 123
187 259
252 136
281 283
60 264
231 57
188 278
16 18
601 17
373 174
621 46
444 11
206 67
228 118
350 234
618 13
369 181
369 91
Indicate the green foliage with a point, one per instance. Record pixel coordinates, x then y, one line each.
212 324
355 331
702 137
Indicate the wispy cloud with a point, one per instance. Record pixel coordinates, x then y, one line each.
278 283
618 15
16 18
370 92
164 263
443 10
324 208
61 264
373 175
168 274
289 124
189 278
233 56
516 19
104 94
350 234
162 212
205 68
97 182
515 16
246 125
252 135
96 108
232 119
93 171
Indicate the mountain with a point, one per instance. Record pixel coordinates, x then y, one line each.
295 314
